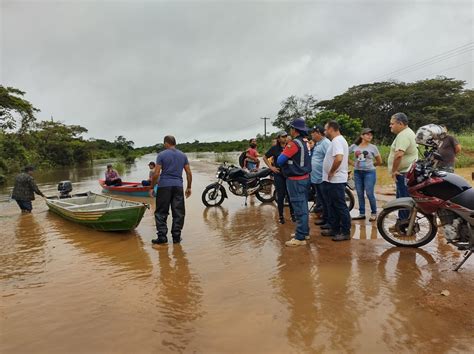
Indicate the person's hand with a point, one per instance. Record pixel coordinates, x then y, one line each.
151 192
395 174
274 169
330 175
188 192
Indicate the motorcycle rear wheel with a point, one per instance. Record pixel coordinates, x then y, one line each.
350 200
266 196
394 230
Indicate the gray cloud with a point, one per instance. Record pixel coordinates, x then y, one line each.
210 70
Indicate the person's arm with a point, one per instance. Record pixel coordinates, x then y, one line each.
189 179
270 166
35 187
335 165
290 150
457 148
401 145
267 162
396 163
378 160
338 154
154 180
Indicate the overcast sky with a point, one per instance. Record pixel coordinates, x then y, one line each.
209 70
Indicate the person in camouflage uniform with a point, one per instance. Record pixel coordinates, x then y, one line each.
25 189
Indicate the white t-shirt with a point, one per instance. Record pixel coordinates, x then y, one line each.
338 146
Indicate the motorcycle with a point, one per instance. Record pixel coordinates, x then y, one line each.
241 183
433 194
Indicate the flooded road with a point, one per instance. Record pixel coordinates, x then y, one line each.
231 286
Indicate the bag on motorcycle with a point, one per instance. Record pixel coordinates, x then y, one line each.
242 159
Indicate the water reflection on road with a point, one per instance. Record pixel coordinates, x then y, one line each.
232 286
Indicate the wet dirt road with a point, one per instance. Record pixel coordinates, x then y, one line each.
231 286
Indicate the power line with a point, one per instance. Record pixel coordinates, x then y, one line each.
432 60
431 63
453 67
449 52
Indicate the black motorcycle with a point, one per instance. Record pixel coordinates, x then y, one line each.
241 183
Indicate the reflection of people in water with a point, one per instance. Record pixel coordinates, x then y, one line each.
25 260
179 299
243 226
296 283
408 273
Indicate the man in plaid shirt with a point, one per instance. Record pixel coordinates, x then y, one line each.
25 189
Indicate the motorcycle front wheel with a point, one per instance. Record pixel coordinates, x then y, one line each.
394 230
266 194
213 195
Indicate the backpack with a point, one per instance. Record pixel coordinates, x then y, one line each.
242 158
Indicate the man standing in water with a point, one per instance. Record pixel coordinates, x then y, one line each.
25 189
169 177
296 165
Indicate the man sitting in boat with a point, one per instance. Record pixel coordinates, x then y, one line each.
147 182
112 177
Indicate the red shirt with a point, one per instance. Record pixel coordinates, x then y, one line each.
252 152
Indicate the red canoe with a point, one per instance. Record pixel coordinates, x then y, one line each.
134 189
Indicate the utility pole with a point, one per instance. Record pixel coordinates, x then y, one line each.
265 127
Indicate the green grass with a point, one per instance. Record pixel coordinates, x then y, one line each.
120 168
466 140
464 159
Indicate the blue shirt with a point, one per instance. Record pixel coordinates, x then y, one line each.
172 162
317 158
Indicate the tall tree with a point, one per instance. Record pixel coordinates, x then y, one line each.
440 100
295 107
12 104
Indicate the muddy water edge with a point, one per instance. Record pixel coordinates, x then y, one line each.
231 286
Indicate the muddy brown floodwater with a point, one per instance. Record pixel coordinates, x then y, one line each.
231 286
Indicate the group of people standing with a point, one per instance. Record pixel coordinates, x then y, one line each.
304 158
320 157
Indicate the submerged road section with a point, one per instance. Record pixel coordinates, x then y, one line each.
231 286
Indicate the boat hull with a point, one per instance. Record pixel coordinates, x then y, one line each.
133 189
118 219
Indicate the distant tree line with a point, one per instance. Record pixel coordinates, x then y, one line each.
441 101
25 141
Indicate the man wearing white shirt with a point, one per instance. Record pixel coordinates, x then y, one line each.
335 173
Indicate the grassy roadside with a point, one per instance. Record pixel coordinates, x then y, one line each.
464 159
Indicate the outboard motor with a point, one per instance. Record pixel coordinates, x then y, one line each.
64 188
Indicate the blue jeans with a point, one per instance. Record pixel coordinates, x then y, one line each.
251 165
339 217
25 205
298 193
402 191
322 200
365 184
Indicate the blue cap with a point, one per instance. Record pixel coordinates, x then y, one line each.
299 124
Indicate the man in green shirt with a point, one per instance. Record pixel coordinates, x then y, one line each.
403 153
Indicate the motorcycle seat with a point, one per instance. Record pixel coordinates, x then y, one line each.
264 172
465 199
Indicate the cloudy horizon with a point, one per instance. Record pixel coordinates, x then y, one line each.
210 70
